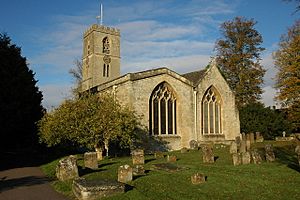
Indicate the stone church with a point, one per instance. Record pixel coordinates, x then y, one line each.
178 108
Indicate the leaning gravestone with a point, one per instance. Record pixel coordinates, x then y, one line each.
124 174
208 154
96 189
90 160
270 156
256 156
194 145
236 159
246 158
197 178
67 168
138 157
233 147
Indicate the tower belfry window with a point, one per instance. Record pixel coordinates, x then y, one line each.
106 45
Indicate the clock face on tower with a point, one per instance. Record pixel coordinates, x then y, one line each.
106 59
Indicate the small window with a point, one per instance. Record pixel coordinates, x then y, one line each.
106 45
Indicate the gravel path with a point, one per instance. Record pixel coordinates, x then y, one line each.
26 183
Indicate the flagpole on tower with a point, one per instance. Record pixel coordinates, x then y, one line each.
100 16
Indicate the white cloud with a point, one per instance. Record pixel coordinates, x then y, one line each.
268 96
54 94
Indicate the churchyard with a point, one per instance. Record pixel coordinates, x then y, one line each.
191 174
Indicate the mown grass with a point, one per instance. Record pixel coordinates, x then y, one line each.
277 180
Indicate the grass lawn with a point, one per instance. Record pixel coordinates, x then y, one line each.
277 180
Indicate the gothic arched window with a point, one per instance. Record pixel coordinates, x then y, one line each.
211 112
106 45
162 111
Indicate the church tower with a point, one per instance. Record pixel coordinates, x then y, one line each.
101 56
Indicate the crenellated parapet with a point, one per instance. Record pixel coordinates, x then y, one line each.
103 29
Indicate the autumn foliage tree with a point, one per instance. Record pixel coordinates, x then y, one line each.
287 61
90 121
238 56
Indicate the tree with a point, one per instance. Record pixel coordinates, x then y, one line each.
269 122
20 98
238 56
76 73
91 121
287 61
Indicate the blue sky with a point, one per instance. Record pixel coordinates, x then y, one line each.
179 34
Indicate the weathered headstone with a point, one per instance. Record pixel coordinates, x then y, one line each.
270 156
256 156
252 140
138 157
236 159
238 141
248 144
138 170
67 168
243 146
99 154
158 155
259 137
194 145
171 158
246 158
184 150
244 136
125 174
208 154
233 147
297 151
96 189
197 178
90 160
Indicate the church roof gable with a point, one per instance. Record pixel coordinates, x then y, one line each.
195 76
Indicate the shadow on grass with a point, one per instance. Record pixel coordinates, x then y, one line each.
149 160
286 155
83 171
24 181
128 187
106 164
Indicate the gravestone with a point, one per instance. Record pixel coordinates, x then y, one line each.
244 136
67 168
171 158
96 189
158 155
259 137
297 151
270 156
246 158
238 142
233 147
138 157
236 159
252 140
138 170
208 154
248 144
99 154
243 146
197 178
90 160
184 150
125 174
256 156
194 145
